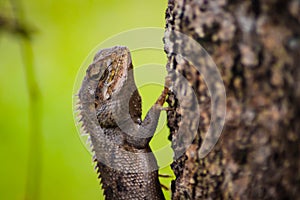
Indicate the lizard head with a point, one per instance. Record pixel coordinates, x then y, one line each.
115 85
115 64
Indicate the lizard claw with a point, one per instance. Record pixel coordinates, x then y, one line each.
162 98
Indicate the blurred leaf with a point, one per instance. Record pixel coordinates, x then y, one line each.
68 31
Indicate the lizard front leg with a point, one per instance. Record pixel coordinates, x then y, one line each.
140 134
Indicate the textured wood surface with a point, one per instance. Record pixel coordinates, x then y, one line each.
256 47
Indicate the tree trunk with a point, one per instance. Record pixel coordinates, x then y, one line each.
256 48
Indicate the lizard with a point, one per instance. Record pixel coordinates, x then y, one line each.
110 109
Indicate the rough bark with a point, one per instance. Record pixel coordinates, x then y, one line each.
256 47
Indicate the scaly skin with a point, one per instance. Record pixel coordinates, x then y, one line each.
110 106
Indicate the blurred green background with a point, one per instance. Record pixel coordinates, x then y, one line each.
64 32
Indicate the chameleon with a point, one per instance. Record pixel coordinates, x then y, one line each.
110 110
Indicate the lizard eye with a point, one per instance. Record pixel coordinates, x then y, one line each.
93 70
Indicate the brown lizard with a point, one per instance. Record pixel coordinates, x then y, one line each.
110 109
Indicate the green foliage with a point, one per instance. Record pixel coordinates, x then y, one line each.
61 34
